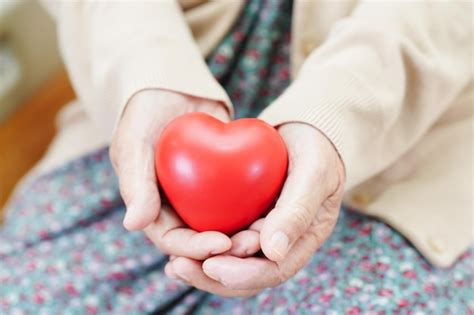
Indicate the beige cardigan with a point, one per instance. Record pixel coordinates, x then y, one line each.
390 83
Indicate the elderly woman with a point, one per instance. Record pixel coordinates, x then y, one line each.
364 94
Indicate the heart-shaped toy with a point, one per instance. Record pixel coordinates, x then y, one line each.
220 176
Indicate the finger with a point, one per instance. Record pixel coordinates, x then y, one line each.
242 273
169 272
245 243
258 273
257 225
314 175
132 155
136 172
296 207
169 234
190 271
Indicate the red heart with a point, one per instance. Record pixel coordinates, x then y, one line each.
217 176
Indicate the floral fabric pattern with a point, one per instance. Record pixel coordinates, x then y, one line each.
63 249
251 63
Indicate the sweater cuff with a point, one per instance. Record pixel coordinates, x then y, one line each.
332 101
177 68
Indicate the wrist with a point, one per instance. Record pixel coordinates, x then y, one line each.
315 141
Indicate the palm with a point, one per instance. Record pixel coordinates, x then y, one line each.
306 211
132 154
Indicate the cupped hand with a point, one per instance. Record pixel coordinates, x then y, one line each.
303 218
132 156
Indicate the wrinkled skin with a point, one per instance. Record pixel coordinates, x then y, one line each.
303 218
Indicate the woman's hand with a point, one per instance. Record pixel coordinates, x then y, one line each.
132 155
303 218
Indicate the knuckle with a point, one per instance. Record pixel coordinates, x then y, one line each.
319 232
157 242
301 217
165 247
333 203
125 192
315 235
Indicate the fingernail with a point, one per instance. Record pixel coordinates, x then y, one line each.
209 273
279 243
220 246
218 251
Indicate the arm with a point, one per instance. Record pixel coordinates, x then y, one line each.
142 56
113 50
381 80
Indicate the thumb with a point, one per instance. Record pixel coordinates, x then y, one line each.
303 194
134 163
292 216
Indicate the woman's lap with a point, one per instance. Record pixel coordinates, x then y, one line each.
63 250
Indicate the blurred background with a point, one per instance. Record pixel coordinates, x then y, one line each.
33 87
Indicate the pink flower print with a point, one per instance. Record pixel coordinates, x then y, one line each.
354 310
220 58
403 303
38 298
385 292
253 53
410 274
351 290
70 289
326 297
365 230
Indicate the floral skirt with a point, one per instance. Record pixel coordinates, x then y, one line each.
63 249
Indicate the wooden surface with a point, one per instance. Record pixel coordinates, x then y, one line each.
25 135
